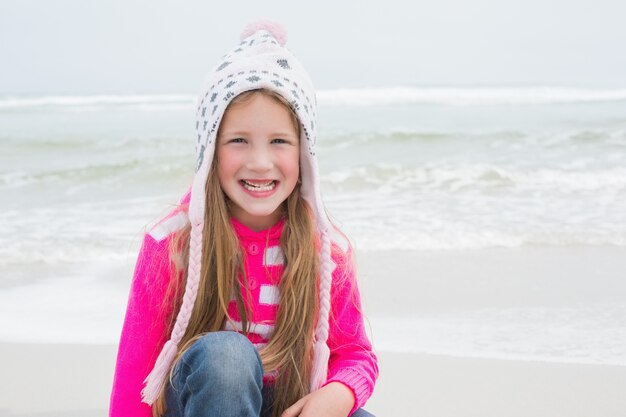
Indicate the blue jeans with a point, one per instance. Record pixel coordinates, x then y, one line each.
221 375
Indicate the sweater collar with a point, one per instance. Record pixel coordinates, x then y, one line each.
244 233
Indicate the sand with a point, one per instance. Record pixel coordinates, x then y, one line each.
440 386
74 380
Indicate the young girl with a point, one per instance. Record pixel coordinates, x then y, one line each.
244 300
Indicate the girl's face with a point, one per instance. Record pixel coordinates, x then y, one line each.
258 154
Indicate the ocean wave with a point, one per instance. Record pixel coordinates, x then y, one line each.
153 142
73 175
99 231
577 175
79 175
493 139
477 206
468 96
347 140
465 96
146 101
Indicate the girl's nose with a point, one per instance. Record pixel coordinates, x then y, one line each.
260 160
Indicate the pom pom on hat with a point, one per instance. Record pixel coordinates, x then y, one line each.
276 29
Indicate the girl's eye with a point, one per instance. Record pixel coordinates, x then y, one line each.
238 140
279 140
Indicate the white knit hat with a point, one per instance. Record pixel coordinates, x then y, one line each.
261 60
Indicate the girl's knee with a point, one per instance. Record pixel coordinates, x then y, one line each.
226 358
361 413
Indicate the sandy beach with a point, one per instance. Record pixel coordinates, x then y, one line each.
76 383
52 380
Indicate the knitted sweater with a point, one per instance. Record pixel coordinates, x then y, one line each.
351 362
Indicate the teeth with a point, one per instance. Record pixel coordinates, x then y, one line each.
258 187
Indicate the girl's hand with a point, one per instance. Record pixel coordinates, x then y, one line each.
333 400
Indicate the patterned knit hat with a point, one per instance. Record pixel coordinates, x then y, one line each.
261 60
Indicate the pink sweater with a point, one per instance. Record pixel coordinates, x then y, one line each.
352 361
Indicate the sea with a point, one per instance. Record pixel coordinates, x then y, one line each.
417 168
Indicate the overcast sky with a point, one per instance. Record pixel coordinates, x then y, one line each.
161 46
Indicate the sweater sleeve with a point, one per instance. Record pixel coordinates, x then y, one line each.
352 361
143 332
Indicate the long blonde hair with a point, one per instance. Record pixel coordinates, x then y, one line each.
289 350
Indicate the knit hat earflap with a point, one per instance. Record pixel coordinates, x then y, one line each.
261 60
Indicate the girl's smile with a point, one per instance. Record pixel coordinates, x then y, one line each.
258 153
258 186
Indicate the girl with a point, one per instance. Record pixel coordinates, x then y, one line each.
244 300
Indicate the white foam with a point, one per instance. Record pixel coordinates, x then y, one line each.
476 175
478 205
345 97
467 96
67 310
94 100
591 334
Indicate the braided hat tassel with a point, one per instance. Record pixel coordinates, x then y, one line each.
157 377
321 352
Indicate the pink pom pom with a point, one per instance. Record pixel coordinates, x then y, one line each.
276 29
